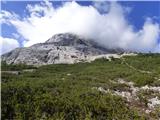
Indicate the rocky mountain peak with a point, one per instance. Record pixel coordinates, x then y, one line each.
67 39
61 36
61 48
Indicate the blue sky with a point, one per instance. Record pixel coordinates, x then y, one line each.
135 15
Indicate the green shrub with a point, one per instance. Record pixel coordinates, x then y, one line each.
64 91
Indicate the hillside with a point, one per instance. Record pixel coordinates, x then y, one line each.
61 48
120 89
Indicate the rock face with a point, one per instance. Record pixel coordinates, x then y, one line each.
61 48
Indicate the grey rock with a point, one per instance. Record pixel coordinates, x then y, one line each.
61 48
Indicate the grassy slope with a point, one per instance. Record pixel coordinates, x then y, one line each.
65 91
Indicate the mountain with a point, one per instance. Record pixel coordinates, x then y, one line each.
61 48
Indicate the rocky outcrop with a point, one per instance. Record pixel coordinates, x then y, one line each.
61 48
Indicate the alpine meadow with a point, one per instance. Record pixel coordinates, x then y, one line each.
80 60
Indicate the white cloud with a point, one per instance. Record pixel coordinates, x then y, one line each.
15 35
6 17
111 29
102 6
7 44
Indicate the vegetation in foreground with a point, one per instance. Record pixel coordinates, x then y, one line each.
62 91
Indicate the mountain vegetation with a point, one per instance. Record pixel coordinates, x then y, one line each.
81 91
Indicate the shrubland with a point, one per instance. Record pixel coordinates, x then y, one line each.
66 91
